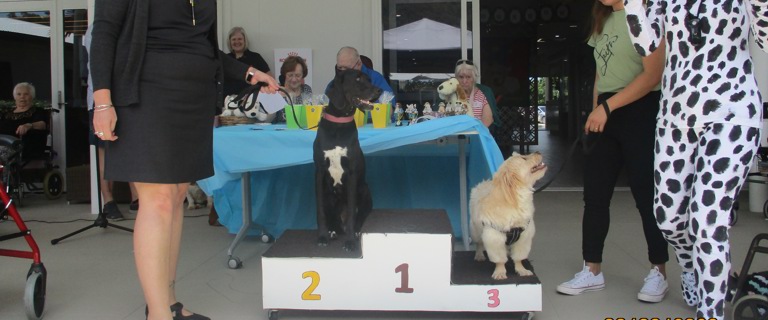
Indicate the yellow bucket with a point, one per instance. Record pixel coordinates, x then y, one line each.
360 118
313 114
380 115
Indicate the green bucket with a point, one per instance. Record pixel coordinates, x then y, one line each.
301 116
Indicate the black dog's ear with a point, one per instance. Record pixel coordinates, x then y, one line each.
336 92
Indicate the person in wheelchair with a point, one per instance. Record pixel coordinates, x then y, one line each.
25 122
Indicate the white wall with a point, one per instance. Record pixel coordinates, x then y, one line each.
324 26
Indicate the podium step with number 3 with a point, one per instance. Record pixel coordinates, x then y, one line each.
406 263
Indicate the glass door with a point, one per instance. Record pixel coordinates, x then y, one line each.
421 42
74 23
25 30
44 47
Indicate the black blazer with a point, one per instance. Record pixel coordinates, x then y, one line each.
119 44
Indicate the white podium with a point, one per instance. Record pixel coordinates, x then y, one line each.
406 263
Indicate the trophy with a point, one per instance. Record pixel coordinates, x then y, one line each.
398 114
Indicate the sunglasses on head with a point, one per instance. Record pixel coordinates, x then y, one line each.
465 61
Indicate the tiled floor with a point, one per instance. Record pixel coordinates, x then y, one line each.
92 276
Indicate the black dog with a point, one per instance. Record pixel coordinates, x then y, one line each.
343 198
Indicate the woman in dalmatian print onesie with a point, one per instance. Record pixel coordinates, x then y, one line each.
708 129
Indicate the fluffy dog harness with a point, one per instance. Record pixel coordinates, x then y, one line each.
513 235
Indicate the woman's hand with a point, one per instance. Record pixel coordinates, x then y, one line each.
259 76
282 93
596 120
104 124
23 129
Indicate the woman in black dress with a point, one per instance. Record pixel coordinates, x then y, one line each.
158 63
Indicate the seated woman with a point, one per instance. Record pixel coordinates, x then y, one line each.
25 121
293 72
238 49
467 75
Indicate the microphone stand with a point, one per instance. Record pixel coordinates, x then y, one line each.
101 220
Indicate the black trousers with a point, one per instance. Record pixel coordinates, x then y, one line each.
627 141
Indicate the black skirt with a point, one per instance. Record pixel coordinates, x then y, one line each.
168 136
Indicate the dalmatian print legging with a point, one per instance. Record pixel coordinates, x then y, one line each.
698 174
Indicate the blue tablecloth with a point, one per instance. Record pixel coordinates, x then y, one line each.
402 172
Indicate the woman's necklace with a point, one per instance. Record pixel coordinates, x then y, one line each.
192 4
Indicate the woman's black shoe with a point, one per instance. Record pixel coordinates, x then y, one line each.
177 315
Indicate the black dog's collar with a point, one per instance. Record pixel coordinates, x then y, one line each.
336 119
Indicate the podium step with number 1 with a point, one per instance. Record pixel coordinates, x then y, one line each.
406 263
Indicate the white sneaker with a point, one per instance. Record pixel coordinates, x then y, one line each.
688 286
582 282
655 287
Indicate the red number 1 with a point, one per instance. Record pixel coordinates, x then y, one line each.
403 270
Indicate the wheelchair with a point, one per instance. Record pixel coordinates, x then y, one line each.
748 292
29 166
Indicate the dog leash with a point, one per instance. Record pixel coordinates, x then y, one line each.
293 112
241 100
588 142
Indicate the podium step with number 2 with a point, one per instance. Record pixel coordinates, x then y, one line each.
406 263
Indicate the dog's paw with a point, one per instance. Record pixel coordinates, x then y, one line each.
350 245
333 235
479 256
500 272
499 275
322 241
523 272
191 207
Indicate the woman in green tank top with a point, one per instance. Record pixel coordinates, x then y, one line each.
624 107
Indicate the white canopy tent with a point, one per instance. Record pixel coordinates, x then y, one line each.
425 34
24 27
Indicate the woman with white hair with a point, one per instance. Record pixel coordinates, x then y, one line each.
238 49
479 105
23 117
25 122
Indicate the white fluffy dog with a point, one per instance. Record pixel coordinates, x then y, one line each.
501 212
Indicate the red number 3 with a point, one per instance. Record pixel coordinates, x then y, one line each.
493 296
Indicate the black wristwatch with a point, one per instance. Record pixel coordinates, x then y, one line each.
249 76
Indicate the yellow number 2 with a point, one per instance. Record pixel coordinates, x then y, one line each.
307 294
